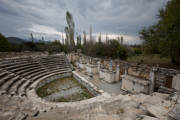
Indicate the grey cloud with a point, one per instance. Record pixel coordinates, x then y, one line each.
108 16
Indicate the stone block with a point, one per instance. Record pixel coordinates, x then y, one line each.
108 76
91 69
176 82
175 113
134 84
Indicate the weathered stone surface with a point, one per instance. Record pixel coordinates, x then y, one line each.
104 106
135 85
144 117
175 113
158 111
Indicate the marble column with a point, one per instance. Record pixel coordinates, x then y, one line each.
152 80
117 73
99 66
110 65
126 70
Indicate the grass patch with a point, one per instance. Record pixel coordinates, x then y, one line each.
153 60
62 85
149 59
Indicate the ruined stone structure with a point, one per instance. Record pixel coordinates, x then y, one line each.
21 76
17 76
135 78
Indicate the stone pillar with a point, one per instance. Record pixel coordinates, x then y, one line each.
152 80
99 66
89 60
110 65
80 60
117 73
71 58
126 70
176 82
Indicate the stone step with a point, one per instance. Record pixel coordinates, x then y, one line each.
24 67
60 64
28 70
3 73
26 74
21 90
13 90
35 73
28 84
6 78
7 64
58 61
9 83
56 67
18 66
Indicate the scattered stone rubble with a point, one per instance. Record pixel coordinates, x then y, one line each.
121 107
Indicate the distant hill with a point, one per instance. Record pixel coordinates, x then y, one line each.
15 40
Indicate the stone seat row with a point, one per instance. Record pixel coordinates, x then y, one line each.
17 85
9 63
19 76
16 77
16 68
25 60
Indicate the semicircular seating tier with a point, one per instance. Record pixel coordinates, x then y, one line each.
18 74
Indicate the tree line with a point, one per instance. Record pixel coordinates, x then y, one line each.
111 48
164 37
40 46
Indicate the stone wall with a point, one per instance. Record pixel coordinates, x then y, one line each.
91 88
52 78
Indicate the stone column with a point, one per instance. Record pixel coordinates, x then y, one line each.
126 70
152 80
99 66
70 57
117 73
80 60
110 65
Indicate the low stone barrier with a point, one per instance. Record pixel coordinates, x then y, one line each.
91 88
52 78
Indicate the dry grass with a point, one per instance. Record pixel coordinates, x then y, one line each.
153 60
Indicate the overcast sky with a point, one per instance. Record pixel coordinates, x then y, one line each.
47 17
